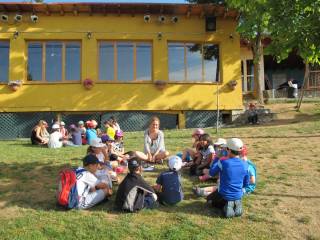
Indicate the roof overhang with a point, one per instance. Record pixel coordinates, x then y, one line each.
188 10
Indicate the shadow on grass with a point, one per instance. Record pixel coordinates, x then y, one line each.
33 185
286 195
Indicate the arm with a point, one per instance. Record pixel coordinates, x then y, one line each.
215 168
146 142
207 161
246 180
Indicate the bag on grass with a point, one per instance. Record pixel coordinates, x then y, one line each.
67 194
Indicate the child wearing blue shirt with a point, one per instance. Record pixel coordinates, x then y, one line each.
234 177
169 184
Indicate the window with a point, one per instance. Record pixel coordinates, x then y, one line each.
4 62
314 77
54 61
247 75
125 61
193 62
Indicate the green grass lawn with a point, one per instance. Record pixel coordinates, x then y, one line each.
285 204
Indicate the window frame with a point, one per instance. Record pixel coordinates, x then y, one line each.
63 62
9 44
185 81
115 60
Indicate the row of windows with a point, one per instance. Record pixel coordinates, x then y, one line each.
60 61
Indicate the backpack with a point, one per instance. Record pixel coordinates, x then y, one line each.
67 194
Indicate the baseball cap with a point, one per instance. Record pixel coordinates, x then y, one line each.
62 123
198 131
97 142
72 126
55 126
80 123
235 144
89 124
90 159
175 163
105 138
119 133
221 141
133 164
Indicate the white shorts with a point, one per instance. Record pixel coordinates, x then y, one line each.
93 198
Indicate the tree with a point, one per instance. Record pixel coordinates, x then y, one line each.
294 26
253 24
252 27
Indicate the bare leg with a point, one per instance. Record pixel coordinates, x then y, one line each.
161 155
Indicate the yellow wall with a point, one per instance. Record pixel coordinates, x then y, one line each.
120 96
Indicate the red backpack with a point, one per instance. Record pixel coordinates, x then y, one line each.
67 194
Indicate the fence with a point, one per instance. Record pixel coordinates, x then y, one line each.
19 125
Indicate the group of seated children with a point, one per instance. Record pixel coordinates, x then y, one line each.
225 160
134 193
77 135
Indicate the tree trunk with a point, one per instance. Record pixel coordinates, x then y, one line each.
257 54
304 85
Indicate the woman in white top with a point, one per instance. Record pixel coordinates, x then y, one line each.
154 146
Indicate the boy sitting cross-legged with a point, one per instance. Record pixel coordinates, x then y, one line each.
134 193
91 190
169 183
233 177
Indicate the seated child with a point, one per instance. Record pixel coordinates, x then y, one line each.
55 138
83 130
192 153
169 183
252 171
134 193
205 157
118 146
233 177
220 154
252 114
91 190
105 170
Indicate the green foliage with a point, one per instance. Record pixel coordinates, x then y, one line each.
294 25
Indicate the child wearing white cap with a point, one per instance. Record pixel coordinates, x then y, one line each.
169 186
55 138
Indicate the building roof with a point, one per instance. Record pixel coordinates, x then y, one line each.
119 8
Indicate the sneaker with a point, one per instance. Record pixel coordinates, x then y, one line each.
238 208
148 168
228 209
196 190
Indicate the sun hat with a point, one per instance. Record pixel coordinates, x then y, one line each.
90 159
235 144
97 143
221 141
119 133
105 138
55 126
175 163
80 123
62 123
89 124
198 131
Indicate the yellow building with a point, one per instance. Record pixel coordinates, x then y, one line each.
139 57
